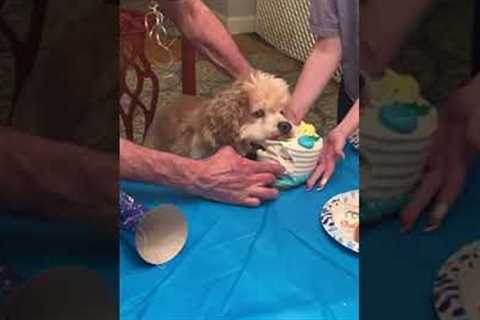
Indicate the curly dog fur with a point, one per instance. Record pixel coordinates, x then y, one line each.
249 111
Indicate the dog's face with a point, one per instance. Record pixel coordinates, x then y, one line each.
268 97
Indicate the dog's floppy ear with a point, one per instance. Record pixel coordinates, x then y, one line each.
224 116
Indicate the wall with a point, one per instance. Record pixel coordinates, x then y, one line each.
237 15
241 8
219 6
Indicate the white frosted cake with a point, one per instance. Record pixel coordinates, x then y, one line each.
397 127
298 154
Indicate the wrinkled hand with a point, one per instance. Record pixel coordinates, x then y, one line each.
228 177
332 151
452 150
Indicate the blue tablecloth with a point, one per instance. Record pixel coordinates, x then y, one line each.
398 270
31 246
272 262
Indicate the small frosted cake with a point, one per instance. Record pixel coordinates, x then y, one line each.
298 154
397 127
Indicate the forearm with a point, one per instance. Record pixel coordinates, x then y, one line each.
56 180
317 72
209 36
351 121
147 165
384 27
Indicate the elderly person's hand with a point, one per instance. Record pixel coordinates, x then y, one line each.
454 147
228 177
225 176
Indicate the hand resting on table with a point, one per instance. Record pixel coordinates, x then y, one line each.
225 176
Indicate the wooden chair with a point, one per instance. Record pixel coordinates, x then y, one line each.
132 57
26 51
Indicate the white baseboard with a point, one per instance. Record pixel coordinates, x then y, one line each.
238 25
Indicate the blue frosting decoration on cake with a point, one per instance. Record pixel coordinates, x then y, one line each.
307 141
420 109
289 181
372 211
399 118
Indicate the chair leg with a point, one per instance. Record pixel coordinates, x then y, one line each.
188 68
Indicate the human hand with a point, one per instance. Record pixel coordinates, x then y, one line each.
332 151
452 150
228 177
291 115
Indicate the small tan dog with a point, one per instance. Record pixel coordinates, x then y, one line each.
248 112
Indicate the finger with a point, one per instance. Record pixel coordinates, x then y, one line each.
457 166
226 150
264 193
264 179
267 167
457 163
437 216
329 169
251 202
422 197
473 131
474 135
312 180
339 151
432 180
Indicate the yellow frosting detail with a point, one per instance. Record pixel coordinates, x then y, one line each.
394 87
306 129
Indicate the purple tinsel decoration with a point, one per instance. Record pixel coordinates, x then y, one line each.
9 281
130 211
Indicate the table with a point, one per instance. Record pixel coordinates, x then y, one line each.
271 262
397 271
31 246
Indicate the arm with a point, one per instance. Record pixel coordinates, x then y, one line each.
224 177
317 71
207 33
142 164
383 28
57 180
351 121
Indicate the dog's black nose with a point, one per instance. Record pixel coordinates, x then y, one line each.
284 127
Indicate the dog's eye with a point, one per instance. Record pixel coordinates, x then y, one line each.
259 114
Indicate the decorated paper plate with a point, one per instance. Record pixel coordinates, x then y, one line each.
340 218
457 287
